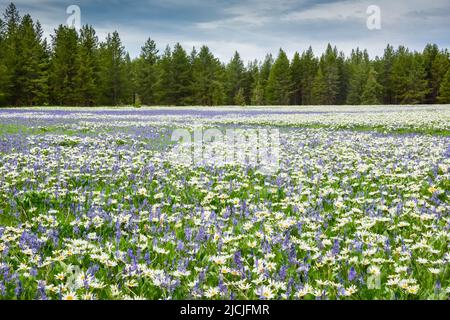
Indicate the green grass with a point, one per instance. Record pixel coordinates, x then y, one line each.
375 129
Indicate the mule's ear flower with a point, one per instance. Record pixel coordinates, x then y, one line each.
432 190
70 296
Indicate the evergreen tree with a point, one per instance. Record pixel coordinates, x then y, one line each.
112 71
234 78
327 82
147 73
409 78
319 89
64 66
207 76
10 51
239 98
181 76
358 65
3 83
251 77
128 90
3 71
373 91
343 76
439 68
309 66
258 94
296 77
165 80
259 91
87 73
430 54
385 74
32 72
444 90
279 85
79 70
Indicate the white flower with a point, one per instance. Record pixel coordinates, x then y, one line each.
211 293
70 296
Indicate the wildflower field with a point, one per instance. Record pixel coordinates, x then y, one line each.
94 205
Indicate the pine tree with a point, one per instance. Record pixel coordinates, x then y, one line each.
309 66
258 95
31 85
444 90
165 81
263 78
296 77
251 77
64 66
11 52
79 70
385 74
234 78
327 82
343 76
147 73
128 89
359 66
279 85
207 76
373 91
439 68
319 89
112 71
181 75
87 73
239 98
429 55
3 84
409 78
4 77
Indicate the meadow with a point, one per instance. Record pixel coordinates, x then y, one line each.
95 205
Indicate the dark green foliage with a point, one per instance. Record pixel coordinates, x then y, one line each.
64 67
77 69
180 91
436 64
4 76
32 73
409 78
309 67
207 76
164 77
326 85
444 90
373 91
296 77
279 85
239 98
258 95
113 72
359 68
147 73
87 74
234 79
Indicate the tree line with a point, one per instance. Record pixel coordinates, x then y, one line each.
76 69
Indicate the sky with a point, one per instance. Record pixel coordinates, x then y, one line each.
256 27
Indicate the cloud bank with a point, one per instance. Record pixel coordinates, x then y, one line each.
255 27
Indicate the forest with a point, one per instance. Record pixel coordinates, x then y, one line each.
75 68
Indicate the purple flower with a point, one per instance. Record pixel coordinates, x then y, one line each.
352 274
336 247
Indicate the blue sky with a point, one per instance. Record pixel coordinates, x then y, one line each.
255 27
